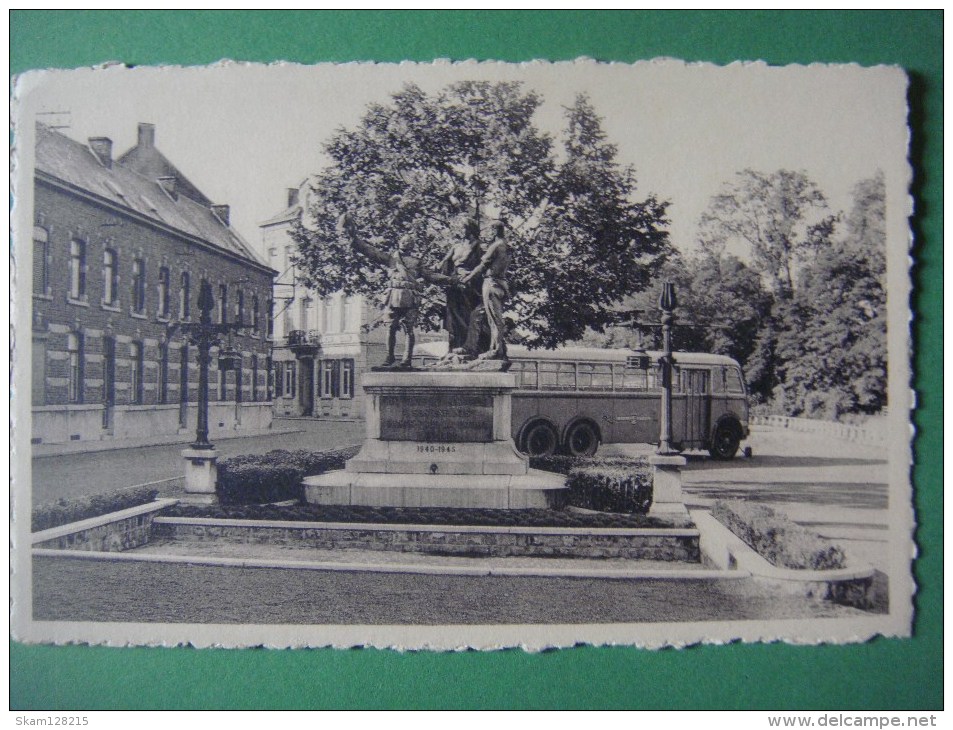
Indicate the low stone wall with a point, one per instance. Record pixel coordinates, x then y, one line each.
115 532
725 550
643 544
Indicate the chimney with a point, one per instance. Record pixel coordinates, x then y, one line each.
102 147
292 197
147 135
222 212
167 183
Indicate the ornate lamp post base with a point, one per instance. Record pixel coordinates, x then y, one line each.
667 496
666 463
200 475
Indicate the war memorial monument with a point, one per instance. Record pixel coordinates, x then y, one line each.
440 437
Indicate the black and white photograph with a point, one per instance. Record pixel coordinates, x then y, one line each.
461 355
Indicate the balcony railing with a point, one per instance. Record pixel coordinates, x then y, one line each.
304 340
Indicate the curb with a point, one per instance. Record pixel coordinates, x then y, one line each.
47 451
610 573
728 551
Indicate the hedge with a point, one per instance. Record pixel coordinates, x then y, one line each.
561 464
778 539
610 488
73 509
275 476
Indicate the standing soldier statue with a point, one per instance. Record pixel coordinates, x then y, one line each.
402 296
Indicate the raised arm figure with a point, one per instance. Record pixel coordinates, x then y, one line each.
402 296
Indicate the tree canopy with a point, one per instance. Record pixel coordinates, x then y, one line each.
833 348
412 172
782 217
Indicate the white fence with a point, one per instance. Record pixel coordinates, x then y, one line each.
873 431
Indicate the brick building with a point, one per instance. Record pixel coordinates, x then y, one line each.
120 250
321 345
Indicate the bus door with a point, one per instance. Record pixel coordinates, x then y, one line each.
696 391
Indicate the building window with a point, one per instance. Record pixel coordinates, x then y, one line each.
164 373
254 377
329 378
110 278
337 378
239 382
289 325
77 269
255 315
240 309
41 261
345 313
135 378
288 385
326 325
185 297
163 309
184 385
109 371
223 385
74 349
347 378
268 378
222 304
138 286
270 324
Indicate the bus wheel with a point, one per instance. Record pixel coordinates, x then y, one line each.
724 444
540 440
582 440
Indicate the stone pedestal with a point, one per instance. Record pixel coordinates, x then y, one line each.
201 474
667 496
437 439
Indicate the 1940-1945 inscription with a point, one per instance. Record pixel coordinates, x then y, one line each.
437 418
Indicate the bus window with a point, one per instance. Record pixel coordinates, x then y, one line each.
634 379
717 380
525 372
566 376
601 376
697 381
584 376
557 375
733 382
594 376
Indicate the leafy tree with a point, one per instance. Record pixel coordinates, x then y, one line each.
781 217
723 308
834 346
413 171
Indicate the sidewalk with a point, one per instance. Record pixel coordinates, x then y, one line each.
88 447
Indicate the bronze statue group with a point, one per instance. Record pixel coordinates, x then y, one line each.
476 289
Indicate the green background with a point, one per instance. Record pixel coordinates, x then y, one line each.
882 674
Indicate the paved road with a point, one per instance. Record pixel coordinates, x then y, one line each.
834 487
93 473
80 590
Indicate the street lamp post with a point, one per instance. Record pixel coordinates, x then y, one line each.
667 499
201 470
667 303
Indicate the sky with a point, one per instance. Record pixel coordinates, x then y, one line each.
244 133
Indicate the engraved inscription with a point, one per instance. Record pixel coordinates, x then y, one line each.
437 418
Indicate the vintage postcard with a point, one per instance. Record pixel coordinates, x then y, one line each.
461 355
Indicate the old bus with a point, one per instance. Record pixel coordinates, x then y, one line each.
573 399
